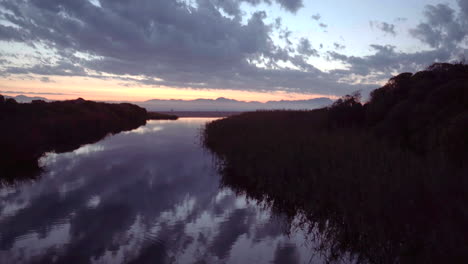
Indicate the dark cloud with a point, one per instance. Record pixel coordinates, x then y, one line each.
206 44
166 42
384 26
63 68
386 60
316 17
291 5
278 23
46 79
305 48
8 33
301 63
443 29
232 7
338 46
323 25
285 34
442 26
464 8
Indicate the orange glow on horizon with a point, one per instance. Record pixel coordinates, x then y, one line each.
62 88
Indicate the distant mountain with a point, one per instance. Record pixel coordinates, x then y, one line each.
219 104
26 99
226 104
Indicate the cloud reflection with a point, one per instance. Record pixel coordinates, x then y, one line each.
148 196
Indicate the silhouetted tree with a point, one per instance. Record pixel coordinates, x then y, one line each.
347 111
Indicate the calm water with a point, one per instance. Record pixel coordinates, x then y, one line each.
151 195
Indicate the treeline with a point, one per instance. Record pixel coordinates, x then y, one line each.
382 182
159 116
426 112
29 130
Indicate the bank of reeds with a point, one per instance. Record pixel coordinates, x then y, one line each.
385 181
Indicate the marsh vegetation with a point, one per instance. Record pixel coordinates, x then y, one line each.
382 181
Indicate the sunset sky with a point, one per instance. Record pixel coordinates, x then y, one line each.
241 49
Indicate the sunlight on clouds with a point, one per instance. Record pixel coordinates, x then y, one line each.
95 2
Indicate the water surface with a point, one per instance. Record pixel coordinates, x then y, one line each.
151 195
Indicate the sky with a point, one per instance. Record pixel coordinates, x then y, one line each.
135 50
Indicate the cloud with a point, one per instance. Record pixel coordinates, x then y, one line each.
232 7
442 26
338 46
36 93
286 34
387 60
305 48
168 43
384 26
463 9
316 17
291 5
202 44
443 29
8 33
46 79
62 68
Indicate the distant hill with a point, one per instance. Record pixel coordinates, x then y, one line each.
226 104
201 104
26 99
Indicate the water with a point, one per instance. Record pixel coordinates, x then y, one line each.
151 195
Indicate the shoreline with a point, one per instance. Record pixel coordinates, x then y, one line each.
31 129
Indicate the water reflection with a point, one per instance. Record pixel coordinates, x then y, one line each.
150 195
